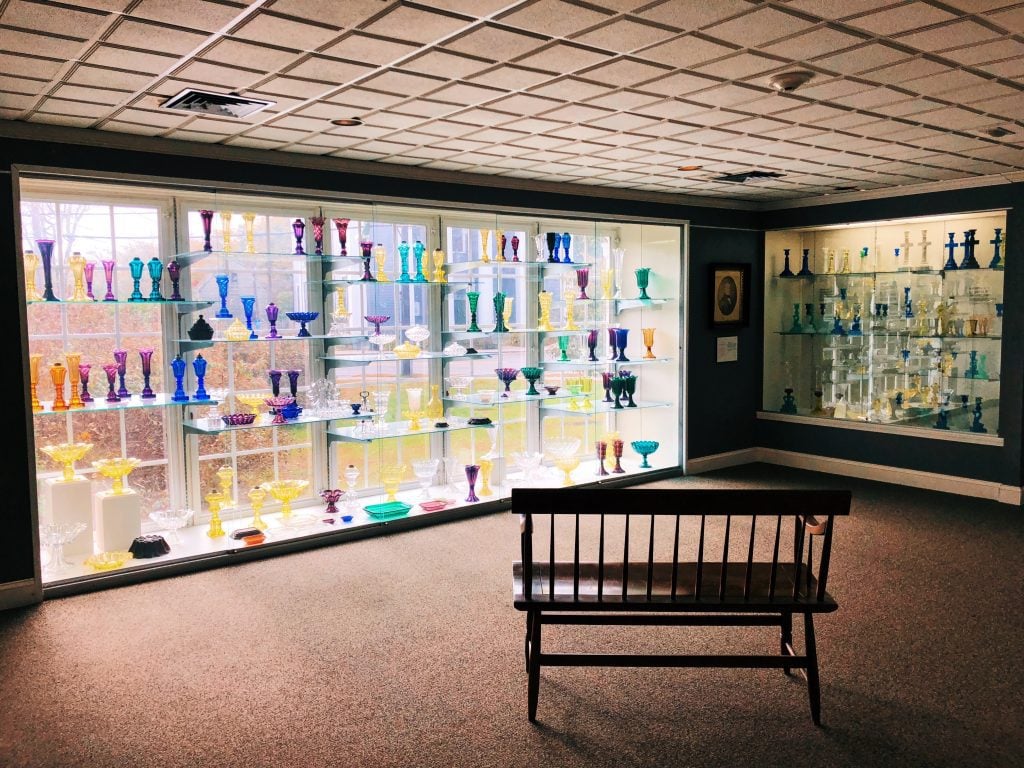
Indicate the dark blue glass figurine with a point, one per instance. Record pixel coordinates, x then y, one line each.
976 425
178 369
136 267
969 242
951 246
837 326
156 271
997 242
199 366
222 289
786 271
805 270
566 242
554 240
972 368
788 402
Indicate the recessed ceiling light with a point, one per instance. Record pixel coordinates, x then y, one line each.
690 167
787 82
998 132
347 121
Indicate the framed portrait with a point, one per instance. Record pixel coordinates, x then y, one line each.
730 295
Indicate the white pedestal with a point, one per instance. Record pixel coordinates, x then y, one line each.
117 520
71 502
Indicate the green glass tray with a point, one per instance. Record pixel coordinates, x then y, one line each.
388 509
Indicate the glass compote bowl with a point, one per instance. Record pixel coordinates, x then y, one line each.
506 376
252 402
171 520
378 321
425 469
417 335
532 375
332 496
55 536
391 479
459 383
529 463
563 454
67 454
381 340
285 491
108 561
278 404
645 448
302 318
117 470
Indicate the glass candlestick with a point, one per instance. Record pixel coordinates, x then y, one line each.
136 268
206 217
544 299
318 234
515 248
77 264
617 447
472 297
146 356
418 249
199 367
366 250
249 219
299 230
506 313
108 273
272 312
606 382
256 496
643 276
121 358
618 256
570 319
83 375
33 371
74 360
46 253
178 369
174 273
403 260
31 265
111 371
214 500
222 289
225 230
381 256
472 472
342 227
439 258
156 271
58 373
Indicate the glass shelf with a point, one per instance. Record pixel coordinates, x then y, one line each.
601 363
337 282
181 307
190 258
215 426
162 400
477 334
621 304
187 345
600 406
892 335
514 397
394 429
345 361
463 266
888 273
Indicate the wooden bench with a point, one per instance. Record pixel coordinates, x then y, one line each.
730 565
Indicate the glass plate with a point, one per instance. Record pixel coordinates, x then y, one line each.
388 509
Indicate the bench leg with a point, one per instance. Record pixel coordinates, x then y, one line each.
786 639
534 684
813 688
526 641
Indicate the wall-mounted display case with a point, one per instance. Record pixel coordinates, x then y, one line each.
892 323
265 371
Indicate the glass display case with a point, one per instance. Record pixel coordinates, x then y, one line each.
290 370
895 323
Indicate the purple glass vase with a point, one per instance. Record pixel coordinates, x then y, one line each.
90 270
515 248
612 340
472 472
342 226
621 337
275 381
174 273
293 381
299 229
318 234
46 253
111 371
272 311
207 218
121 357
108 273
606 382
366 249
592 345
83 375
147 368
602 453
582 281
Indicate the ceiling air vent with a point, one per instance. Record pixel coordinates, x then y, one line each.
745 176
219 104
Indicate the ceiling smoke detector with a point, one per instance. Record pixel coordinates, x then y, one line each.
218 104
787 82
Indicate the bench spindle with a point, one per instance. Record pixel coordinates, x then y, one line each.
798 554
826 550
725 558
625 560
600 562
576 562
551 560
775 559
699 581
675 559
650 561
750 559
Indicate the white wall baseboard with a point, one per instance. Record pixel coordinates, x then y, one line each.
16 594
915 478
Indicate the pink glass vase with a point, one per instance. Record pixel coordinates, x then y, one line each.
318 234
207 218
342 226
146 355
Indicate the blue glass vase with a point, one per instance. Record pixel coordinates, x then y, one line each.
566 242
403 258
136 267
156 271
248 305
621 337
199 366
417 255
178 369
222 289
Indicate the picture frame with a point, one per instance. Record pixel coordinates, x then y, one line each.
729 295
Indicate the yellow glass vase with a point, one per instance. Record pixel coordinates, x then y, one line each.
74 379
381 257
391 479
225 228
77 264
648 342
485 237
33 381
435 408
486 466
58 373
250 233
31 265
544 298
439 276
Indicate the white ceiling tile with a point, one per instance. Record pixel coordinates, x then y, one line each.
553 17
154 37
369 49
329 12
679 84
28 66
215 125
206 75
81 24
201 15
694 14
329 70
623 121
446 128
296 88
901 18
93 95
73 108
871 99
262 57
1012 20
981 92
465 94
59 119
739 66
758 27
16 41
384 147
815 42
415 25
21 85
511 78
367 98
498 135
725 95
17 101
536 125
562 58
125 126
485 40
357 154
335 140
1011 68
442 64
623 99
811 113
285 32
254 142
404 83
131 60
936 85
481 116
301 123
947 36
577 112
570 89
623 35
426 108
1010 106
542 142
624 72
469 7
856 60
832 89
581 132
686 51
995 50
711 117
84 74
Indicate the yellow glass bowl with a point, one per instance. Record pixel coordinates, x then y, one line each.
108 561
406 351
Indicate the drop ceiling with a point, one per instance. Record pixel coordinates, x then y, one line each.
613 93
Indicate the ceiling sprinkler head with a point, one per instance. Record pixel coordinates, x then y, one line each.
787 82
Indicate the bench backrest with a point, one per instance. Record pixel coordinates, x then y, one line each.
722 530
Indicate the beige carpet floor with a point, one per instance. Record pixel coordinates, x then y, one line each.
405 651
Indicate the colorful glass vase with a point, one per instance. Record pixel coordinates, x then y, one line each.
31 265
121 358
582 281
156 271
545 299
592 345
621 338
618 386
473 298
553 241
111 371
136 267
77 264
222 290
225 231
74 361
606 382
377 321
146 355
629 389
486 466
275 381
500 241
108 274
563 348
417 254
515 247
532 375
648 342
485 239
566 242
341 225
248 305
381 257
83 376
617 446
643 277
472 472
645 448
439 259
403 261
318 234
206 217
46 254
293 381
272 311
199 367
174 273
33 374
499 313
249 221
178 370
299 230
366 253
58 374
602 454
